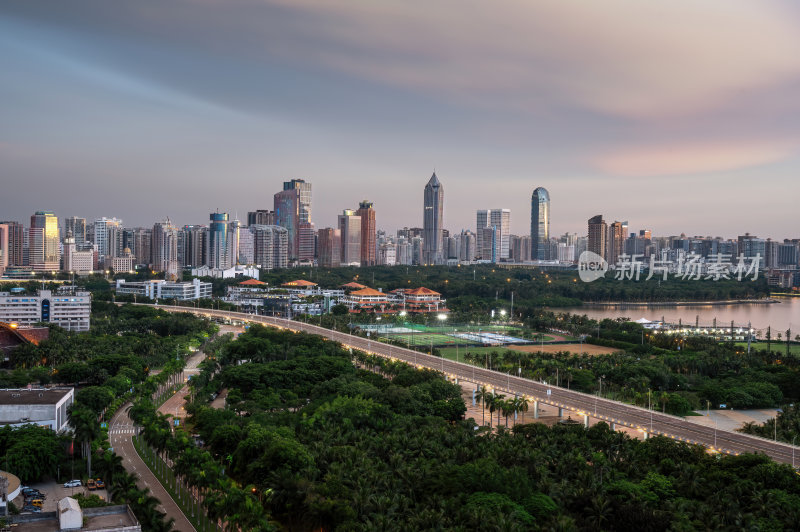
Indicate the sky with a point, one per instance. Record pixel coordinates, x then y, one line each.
676 115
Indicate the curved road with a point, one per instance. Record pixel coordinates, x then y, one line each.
642 419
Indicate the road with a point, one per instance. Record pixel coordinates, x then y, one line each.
648 422
121 431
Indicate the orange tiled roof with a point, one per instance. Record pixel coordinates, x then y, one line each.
367 292
353 285
252 282
299 282
422 291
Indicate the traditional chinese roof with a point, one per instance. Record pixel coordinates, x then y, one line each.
300 282
353 285
252 282
367 292
34 334
422 291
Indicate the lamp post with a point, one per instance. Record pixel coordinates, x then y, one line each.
794 438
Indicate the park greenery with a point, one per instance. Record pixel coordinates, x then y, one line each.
313 436
108 366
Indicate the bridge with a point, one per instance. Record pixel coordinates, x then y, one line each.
615 413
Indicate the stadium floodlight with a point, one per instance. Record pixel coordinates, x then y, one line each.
442 316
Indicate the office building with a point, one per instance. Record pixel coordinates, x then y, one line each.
77 228
246 243
70 311
540 224
598 232
306 242
432 221
521 248
387 254
218 250
192 246
293 207
751 246
161 289
261 217
76 260
330 247
350 228
43 242
368 233
234 230
4 234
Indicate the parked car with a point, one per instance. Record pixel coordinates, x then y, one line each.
32 492
99 484
75 483
33 509
91 485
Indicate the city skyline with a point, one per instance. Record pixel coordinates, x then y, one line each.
101 116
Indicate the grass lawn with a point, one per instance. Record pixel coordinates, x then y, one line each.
450 352
777 347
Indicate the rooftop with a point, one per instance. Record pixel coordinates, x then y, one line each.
107 519
252 282
299 282
34 396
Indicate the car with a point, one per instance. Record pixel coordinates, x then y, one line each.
33 509
32 492
73 484
99 484
90 484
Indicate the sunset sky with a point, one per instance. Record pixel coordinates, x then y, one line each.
678 115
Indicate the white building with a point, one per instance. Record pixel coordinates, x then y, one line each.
38 406
230 273
500 221
70 311
160 289
76 261
387 254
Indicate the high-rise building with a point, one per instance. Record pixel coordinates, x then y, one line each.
306 242
452 246
467 250
140 242
368 231
192 246
261 217
293 207
615 241
432 221
101 236
330 247
521 248
234 228
499 220
350 227
270 246
75 260
165 248
3 247
387 254
77 228
217 249
540 224
16 240
751 246
44 254
598 232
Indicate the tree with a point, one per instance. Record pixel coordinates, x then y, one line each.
85 429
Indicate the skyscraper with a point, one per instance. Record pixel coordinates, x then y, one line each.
218 251
4 233
43 242
261 217
597 235
330 247
368 232
270 246
350 227
16 239
165 248
540 224
616 241
101 236
77 228
493 246
293 207
432 246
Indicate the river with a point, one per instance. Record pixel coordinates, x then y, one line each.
780 316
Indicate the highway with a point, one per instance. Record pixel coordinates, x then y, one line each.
648 422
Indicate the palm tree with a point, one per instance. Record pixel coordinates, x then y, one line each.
85 429
522 406
483 396
498 404
109 467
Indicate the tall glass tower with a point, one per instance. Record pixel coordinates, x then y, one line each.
218 251
433 241
540 224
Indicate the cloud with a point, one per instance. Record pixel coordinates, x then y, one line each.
624 57
693 157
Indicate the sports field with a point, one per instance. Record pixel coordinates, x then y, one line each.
449 335
575 349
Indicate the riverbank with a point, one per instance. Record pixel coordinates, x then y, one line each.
647 304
